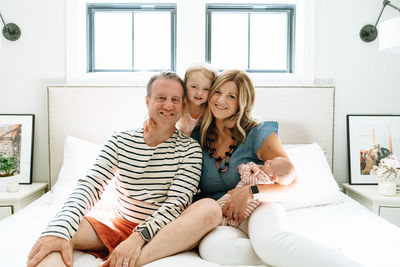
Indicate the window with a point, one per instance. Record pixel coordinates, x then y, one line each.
192 32
131 37
257 38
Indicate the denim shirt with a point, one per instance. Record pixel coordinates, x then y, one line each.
215 184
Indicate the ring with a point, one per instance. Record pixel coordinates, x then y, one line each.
125 263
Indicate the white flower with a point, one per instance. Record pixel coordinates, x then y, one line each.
387 169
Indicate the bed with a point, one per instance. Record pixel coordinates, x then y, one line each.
83 117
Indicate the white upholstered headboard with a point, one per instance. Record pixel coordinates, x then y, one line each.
305 114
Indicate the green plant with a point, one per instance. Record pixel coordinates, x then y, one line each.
8 165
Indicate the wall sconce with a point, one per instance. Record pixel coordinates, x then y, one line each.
389 39
10 30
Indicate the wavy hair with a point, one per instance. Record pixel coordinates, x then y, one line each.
206 69
241 122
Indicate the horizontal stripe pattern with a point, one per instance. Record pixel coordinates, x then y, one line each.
154 184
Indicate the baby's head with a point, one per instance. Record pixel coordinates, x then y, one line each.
281 169
198 81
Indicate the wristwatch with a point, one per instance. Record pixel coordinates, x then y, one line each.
254 191
145 234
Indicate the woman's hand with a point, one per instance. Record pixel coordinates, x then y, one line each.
235 206
126 253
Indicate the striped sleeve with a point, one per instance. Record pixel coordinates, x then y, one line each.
181 192
86 193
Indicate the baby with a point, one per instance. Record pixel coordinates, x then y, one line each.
278 170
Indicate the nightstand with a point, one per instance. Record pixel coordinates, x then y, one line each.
388 207
10 202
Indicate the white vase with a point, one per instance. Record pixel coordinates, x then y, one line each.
387 187
397 179
5 183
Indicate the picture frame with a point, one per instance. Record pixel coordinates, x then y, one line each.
16 146
370 138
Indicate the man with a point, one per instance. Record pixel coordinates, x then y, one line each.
157 171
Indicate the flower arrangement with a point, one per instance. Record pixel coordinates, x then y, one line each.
387 169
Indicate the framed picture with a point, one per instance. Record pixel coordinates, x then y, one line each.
16 146
370 138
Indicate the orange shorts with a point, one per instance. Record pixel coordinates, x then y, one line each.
111 232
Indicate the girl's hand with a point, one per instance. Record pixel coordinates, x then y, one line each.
235 206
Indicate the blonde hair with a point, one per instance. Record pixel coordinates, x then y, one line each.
241 122
206 69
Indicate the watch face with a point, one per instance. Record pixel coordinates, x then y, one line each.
254 189
145 234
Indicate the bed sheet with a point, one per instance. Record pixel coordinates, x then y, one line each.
351 229
347 227
19 232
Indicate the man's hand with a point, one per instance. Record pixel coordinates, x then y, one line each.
235 206
47 244
126 253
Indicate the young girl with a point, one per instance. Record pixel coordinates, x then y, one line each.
198 81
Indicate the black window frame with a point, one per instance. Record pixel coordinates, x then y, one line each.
148 7
290 9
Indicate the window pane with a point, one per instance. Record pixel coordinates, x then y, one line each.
152 40
268 41
229 40
113 40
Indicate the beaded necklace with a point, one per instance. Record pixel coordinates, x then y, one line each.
228 154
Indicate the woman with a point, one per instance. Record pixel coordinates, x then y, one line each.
229 137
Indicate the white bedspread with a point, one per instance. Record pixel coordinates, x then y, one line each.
347 227
351 229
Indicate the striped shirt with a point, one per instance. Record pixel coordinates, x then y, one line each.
154 184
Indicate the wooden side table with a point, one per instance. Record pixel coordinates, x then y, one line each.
388 207
11 202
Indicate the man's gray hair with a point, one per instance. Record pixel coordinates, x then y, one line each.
168 75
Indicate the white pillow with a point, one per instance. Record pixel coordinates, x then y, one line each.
315 185
79 156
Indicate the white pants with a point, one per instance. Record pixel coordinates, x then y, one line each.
270 241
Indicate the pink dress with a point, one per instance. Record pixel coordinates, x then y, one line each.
250 174
187 123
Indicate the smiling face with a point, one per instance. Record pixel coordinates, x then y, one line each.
165 103
198 87
224 101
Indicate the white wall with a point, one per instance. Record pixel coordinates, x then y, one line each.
366 81
30 63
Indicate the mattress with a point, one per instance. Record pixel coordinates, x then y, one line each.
347 227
